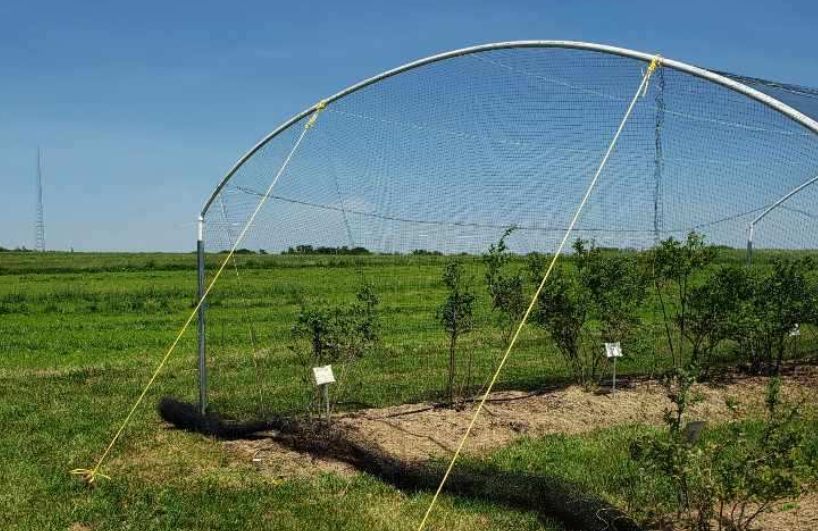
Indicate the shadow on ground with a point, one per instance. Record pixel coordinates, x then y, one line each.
550 498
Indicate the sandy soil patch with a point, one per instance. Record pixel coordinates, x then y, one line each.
801 515
421 431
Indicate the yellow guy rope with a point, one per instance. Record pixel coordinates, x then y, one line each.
90 475
654 64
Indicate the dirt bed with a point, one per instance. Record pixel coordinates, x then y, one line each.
419 431
416 432
791 516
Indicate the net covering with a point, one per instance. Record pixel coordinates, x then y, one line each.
443 159
800 98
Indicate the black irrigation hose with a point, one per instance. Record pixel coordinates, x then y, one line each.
549 497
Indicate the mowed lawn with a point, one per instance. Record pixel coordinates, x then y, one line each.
80 335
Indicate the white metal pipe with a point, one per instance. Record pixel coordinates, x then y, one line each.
201 325
719 79
751 227
783 198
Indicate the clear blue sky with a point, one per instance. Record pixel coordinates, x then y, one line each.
140 107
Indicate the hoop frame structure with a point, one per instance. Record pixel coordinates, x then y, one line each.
702 73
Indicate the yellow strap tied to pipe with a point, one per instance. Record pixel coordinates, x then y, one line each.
90 475
320 106
654 64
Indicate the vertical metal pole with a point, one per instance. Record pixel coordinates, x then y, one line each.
325 394
200 265
750 244
39 220
613 385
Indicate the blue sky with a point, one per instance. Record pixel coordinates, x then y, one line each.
139 108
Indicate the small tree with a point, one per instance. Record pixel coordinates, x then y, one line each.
506 287
364 319
562 311
616 286
754 471
675 266
456 316
675 454
318 327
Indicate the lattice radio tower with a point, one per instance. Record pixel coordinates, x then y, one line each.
39 221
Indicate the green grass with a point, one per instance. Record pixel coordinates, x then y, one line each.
79 336
81 333
599 462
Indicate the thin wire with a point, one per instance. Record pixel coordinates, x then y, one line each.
418 221
243 295
90 475
642 87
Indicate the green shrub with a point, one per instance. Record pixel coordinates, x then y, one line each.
595 302
729 479
675 266
456 315
339 334
712 309
776 302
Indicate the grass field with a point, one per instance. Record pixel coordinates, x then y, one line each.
81 333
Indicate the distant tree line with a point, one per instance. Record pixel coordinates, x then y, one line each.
306 249
309 249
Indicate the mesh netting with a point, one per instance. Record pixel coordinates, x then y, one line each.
444 158
802 99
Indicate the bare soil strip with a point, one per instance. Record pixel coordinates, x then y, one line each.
416 432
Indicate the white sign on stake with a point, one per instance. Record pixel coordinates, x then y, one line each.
613 350
796 331
323 375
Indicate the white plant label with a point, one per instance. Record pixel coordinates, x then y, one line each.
613 350
323 375
796 331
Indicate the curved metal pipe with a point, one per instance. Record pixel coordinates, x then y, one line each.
751 227
719 79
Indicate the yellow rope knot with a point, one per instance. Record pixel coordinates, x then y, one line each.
88 476
320 106
655 64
